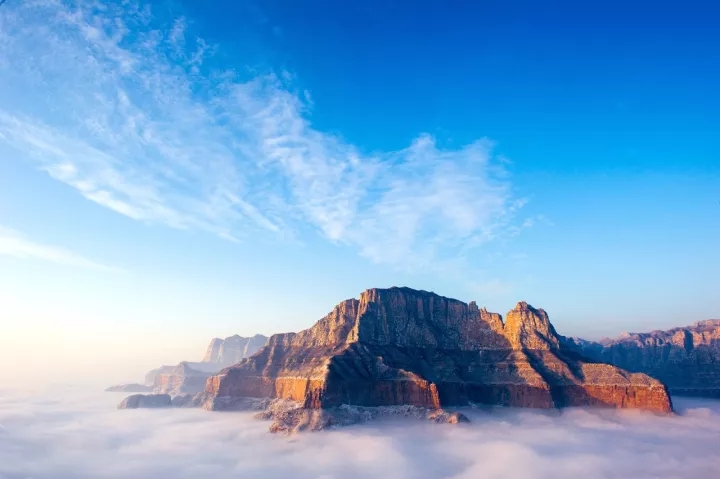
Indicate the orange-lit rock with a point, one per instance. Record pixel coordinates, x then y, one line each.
400 346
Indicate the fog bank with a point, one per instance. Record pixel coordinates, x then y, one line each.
72 432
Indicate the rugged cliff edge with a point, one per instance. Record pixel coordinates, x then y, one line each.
400 346
686 359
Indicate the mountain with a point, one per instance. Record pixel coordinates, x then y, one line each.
400 346
686 359
180 379
189 376
233 349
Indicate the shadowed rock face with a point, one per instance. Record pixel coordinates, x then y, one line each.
686 359
400 346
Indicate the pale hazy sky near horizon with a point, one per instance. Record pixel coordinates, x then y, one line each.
170 172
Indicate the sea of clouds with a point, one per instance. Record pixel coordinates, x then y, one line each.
75 432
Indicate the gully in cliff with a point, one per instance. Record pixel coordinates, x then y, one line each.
400 347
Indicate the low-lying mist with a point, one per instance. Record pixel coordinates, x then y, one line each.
71 432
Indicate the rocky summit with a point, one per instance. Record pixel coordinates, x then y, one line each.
686 359
400 346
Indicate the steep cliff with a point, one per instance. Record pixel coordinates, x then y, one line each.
400 346
686 359
231 350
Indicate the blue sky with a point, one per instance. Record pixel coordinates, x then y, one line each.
173 172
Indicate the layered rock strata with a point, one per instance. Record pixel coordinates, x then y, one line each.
686 359
400 346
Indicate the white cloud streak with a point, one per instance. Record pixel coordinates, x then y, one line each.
121 107
68 433
14 244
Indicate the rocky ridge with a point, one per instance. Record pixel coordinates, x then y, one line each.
400 347
686 359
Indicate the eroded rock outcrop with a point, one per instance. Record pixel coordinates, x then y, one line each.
686 359
400 346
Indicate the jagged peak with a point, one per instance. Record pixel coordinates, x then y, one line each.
530 328
522 306
525 306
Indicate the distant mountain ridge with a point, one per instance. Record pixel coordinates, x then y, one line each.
686 358
233 349
188 376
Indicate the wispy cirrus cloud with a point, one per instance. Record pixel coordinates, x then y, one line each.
121 106
14 244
